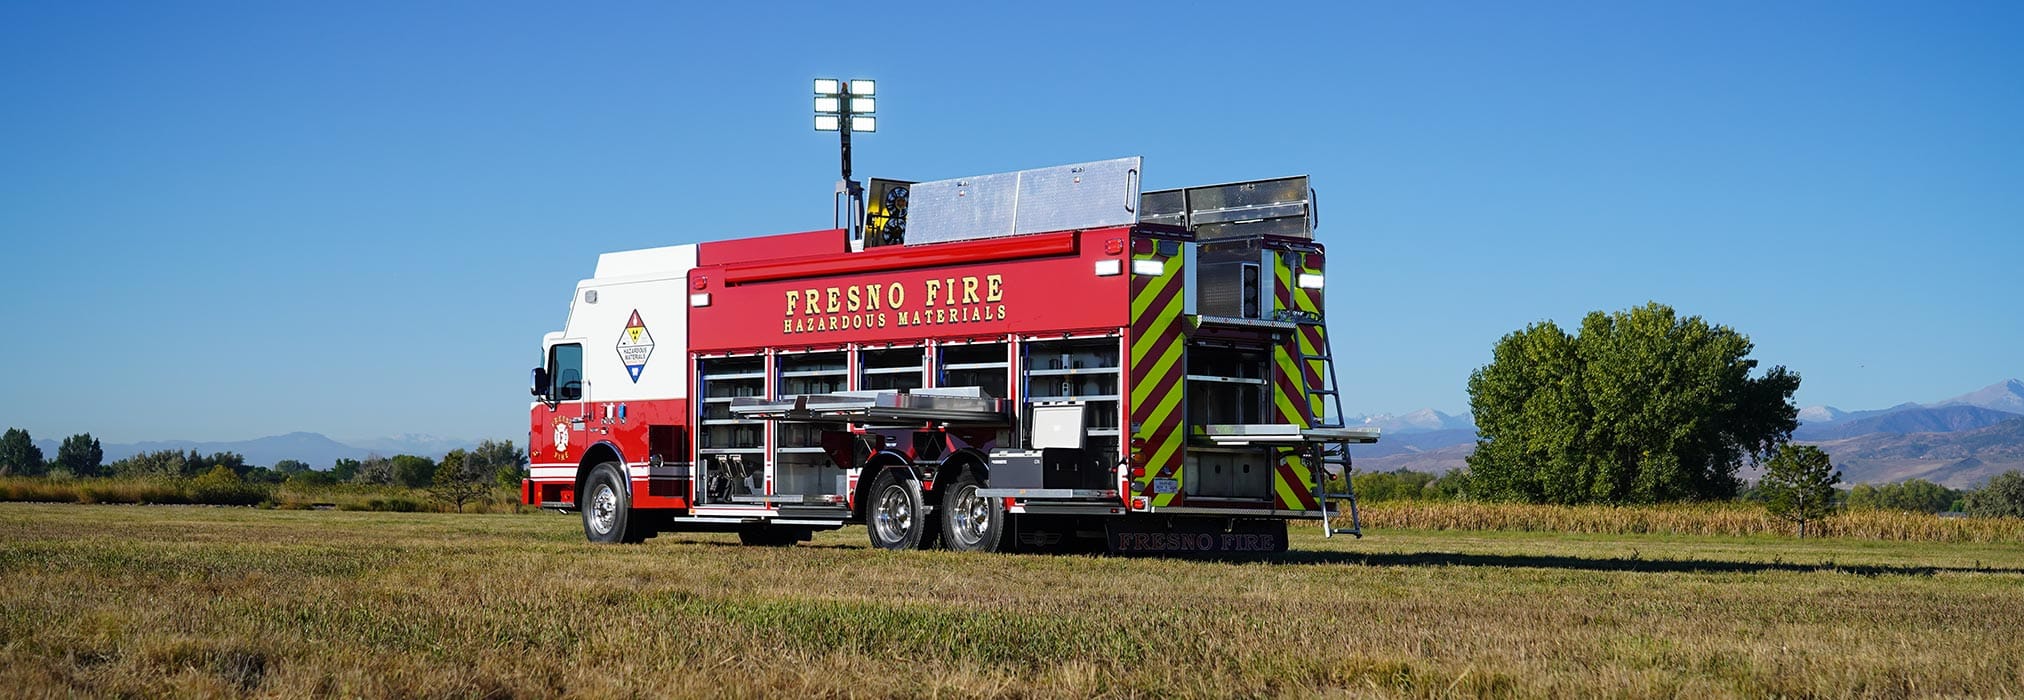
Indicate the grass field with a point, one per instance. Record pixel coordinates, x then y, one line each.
151 600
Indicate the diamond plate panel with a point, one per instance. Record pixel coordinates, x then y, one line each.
1060 198
962 209
1276 207
1084 195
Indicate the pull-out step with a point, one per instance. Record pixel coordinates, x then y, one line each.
1246 434
790 499
1050 494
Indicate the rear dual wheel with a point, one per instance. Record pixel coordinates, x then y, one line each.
971 523
896 517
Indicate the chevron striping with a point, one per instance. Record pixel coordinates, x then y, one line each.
1145 391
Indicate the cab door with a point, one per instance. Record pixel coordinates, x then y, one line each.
557 429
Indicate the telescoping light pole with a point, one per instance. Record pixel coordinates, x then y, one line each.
843 107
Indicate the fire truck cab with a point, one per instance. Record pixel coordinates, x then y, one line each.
1017 360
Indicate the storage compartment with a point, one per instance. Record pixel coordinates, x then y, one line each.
1052 468
1217 473
892 369
1081 369
731 449
1227 385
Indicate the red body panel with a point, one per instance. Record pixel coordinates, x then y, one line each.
834 241
1029 284
585 425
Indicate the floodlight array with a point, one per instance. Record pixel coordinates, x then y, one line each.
845 105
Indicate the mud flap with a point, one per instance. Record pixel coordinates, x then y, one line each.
1200 536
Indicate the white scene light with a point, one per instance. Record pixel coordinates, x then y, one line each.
863 105
1109 268
827 86
699 299
1149 267
861 88
1309 280
828 104
825 122
863 123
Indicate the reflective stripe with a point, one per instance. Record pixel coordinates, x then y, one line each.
1157 343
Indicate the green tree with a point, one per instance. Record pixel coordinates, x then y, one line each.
81 455
344 469
1916 495
2003 496
291 466
1400 485
412 471
498 461
1640 406
455 482
201 463
1798 484
19 456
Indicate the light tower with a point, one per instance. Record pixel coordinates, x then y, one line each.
844 106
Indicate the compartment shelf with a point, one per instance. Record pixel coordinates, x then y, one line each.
736 375
976 365
1071 372
815 373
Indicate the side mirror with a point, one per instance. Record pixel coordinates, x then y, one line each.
540 387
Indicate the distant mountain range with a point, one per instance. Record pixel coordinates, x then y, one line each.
1420 421
314 448
1958 442
1957 459
1917 419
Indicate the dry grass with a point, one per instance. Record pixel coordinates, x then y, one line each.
121 600
1710 519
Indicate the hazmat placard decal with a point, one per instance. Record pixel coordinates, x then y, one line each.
635 345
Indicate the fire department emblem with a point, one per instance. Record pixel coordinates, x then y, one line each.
561 433
635 345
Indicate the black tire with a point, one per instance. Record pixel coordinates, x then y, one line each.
895 517
608 517
773 535
971 523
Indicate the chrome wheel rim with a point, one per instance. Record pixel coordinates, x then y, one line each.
894 515
970 517
603 509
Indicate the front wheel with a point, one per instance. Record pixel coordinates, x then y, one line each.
895 517
971 523
607 508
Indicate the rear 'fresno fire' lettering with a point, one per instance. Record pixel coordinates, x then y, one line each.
1195 542
970 299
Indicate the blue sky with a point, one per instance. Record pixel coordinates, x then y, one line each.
231 219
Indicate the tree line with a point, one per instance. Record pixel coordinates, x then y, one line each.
458 477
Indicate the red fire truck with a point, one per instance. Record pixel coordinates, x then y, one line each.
1021 360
